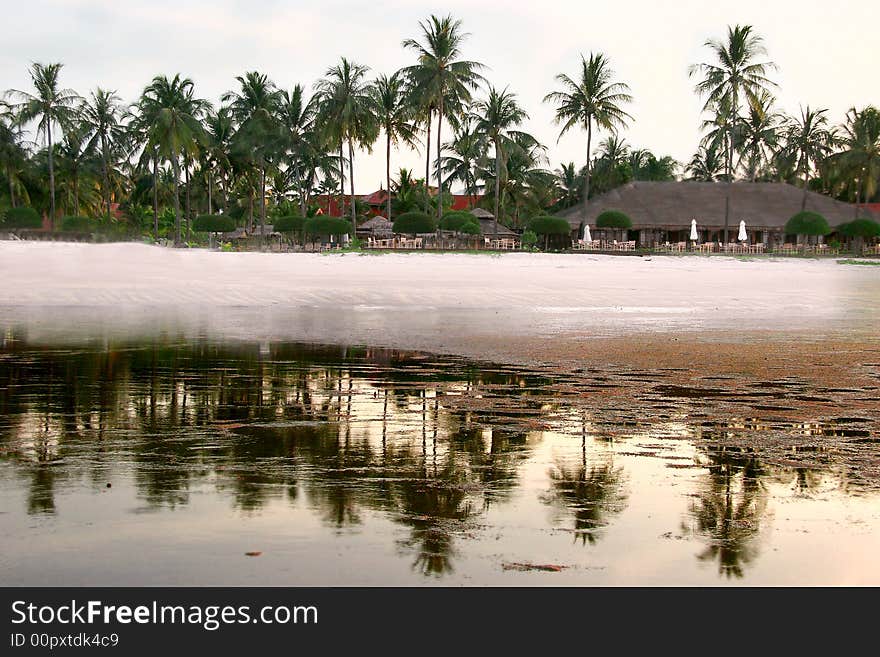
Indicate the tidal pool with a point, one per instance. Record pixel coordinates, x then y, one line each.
185 461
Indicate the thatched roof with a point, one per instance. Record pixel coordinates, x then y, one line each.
480 213
376 223
487 227
672 205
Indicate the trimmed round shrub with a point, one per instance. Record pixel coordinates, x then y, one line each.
470 228
807 223
289 224
22 218
413 223
864 228
213 223
76 224
456 219
327 226
614 219
549 226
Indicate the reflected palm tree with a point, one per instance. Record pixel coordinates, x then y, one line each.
727 512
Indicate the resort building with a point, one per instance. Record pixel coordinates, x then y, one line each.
661 212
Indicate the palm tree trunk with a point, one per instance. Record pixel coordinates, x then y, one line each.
156 197
105 166
388 173
341 182
354 224
187 214
428 163
589 168
439 176
262 205
11 185
806 187
208 180
76 192
51 177
175 164
497 185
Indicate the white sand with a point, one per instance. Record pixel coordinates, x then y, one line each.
421 300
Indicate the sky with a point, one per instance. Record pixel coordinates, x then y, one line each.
826 53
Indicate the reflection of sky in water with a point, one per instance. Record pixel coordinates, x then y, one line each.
364 466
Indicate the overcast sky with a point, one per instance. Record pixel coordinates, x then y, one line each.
827 53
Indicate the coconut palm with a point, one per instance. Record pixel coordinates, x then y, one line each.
101 114
440 81
758 135
462 155
592 99
570 183
253 108
73 156
51 106
733 75
707 165
13 155
170 116
495 120
215 153
808 141
860 159
395 115
347 114
296 116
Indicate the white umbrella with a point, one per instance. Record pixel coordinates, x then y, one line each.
587 236
743 235
694 234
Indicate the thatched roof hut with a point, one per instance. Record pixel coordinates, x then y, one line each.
672 205
487 224
378 225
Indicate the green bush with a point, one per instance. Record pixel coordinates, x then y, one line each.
470 227
807 223
614 219
22 218
413 223
864 228
456 219
75 224
290 224
213 223
549 226
322 225
529 239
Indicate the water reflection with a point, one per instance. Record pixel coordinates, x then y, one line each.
442 449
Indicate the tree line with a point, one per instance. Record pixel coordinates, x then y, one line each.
267 151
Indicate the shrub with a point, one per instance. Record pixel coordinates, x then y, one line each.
864 228
22 218
549 226
470 227
807 223
614 219
75 224
322 225
414 223
456 219
290 224
213 223
529 239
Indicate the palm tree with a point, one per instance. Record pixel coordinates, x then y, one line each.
440 80
594 98
101 114
170 115
495 119
254 108
860 158
12 153
219 133
50 105
297 118
732 76
463 153
570 183
758 134
706 165
73 154
808 140
347 114
395 115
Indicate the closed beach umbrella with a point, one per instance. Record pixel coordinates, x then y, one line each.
743 235
587 236
694 235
